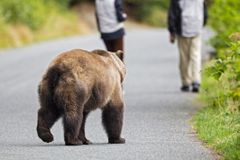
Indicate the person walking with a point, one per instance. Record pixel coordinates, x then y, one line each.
110 17
186 19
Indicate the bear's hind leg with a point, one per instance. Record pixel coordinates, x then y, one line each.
81 135
71 97
112 117
72 121
46 118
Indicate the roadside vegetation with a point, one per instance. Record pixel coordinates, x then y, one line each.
218 124
151 12
26 21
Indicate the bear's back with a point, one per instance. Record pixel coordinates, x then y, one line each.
86 66
81 61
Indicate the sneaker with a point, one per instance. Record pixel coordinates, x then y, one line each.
195 87
185 88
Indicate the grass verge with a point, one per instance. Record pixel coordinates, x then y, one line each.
218 124
220 131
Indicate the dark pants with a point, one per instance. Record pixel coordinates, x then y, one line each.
115 45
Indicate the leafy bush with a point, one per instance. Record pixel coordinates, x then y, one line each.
26 21
224 19
226 73
33 13
153 12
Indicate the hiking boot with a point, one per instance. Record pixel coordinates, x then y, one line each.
195 87
185 88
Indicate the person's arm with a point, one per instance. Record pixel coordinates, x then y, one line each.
171 21
205 14
121 16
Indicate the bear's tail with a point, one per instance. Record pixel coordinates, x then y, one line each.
53 75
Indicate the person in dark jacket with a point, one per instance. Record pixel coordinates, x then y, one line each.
186 19
110 17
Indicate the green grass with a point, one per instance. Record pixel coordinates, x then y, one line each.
219 129
218 123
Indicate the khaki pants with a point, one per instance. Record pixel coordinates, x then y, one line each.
190 59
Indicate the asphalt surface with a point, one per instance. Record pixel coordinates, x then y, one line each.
156 119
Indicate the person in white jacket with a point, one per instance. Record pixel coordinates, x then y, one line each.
110 17
186 19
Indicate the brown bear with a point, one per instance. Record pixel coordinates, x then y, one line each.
76 83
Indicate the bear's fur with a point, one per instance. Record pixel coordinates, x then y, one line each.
76 83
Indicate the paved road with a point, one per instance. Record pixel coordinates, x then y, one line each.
157 114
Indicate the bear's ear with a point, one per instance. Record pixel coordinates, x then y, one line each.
120 54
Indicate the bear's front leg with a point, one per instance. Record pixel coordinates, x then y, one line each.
72 121
112 117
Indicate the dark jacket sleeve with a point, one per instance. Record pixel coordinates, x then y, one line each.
121 16
97 20
172 18
205 14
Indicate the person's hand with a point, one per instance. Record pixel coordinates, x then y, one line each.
172 38
124 15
